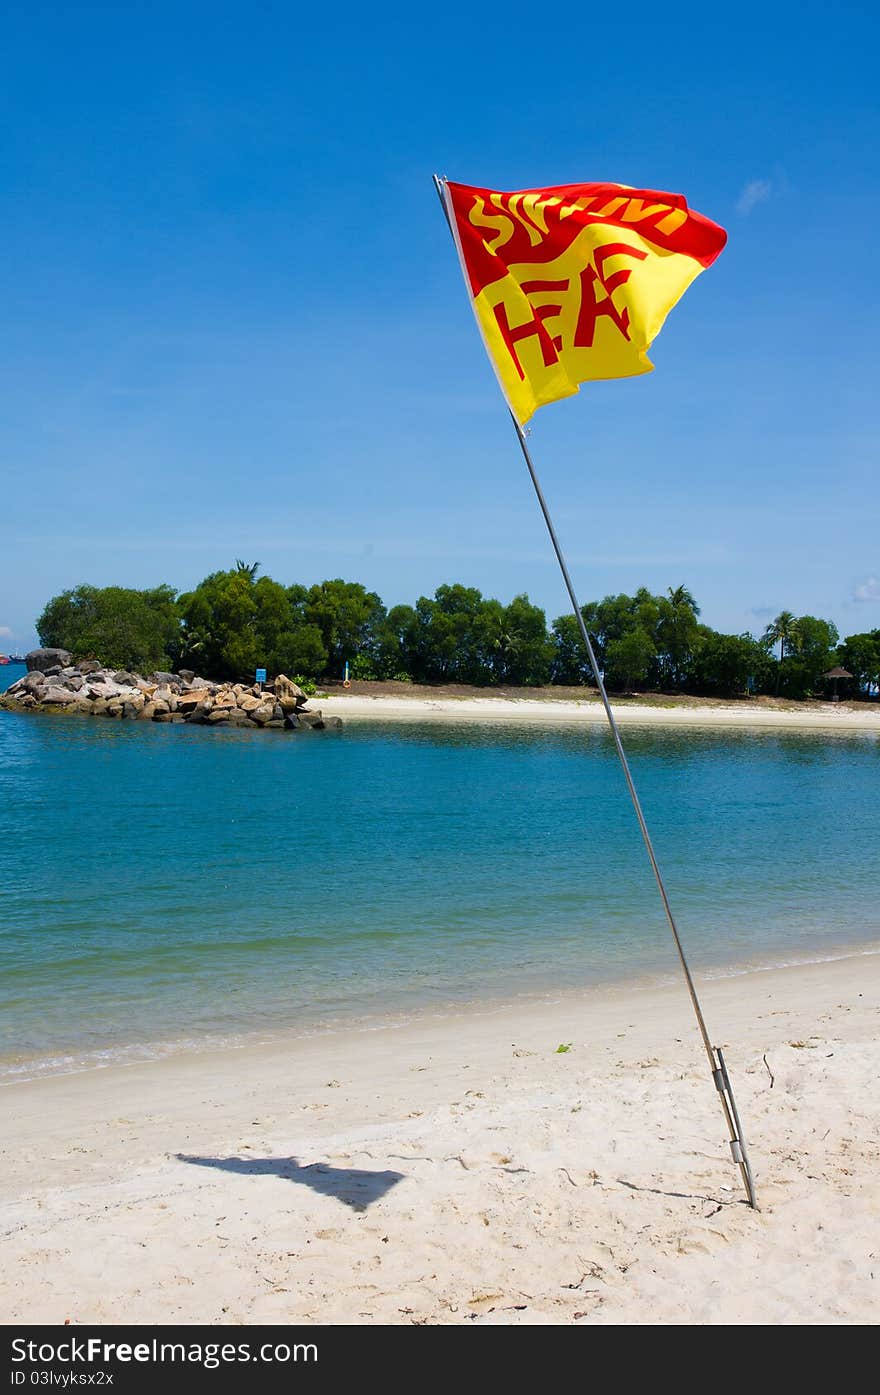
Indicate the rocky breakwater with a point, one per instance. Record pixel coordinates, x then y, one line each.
56 683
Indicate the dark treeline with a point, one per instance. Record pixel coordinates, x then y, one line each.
236 621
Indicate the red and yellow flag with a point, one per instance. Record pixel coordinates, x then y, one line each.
573 283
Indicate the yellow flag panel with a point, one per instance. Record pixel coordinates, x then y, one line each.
573 283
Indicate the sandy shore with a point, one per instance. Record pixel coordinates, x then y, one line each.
461 1169
821 717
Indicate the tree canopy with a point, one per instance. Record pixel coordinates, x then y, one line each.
236 621
122 627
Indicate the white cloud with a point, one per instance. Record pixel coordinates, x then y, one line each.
755 192
868 590
5 632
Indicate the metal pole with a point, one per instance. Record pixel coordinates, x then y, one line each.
720 1076
716 1060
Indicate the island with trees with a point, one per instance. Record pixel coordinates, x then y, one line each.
237 621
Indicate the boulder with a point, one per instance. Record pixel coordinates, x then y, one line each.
188 702
126 679
102 688
33 682
263 713
167 717
98 708
310 719
56 694
186 675
53 672
43 659
133 706
219 714
74 682
275 722
88 666
289 694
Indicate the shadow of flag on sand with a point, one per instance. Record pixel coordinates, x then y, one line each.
350 1185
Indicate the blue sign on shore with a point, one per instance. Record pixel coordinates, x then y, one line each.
261 675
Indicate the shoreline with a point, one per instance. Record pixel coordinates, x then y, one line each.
40 1066
466 1170
827 717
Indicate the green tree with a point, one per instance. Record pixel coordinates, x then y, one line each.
349 619
629 659
234 624
521 650
675 635
724 665
120 627
669 622
220 638
248 569
452 639
860 654
784 632
801 671
395 642
681 596
570 664
289 644
614 617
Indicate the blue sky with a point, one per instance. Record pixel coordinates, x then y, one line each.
233 323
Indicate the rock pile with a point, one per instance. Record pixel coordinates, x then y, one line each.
93 691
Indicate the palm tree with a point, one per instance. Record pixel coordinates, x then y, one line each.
681 596
244 569
677 632
785 632
505 644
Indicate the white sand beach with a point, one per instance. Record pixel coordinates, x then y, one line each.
819 716
461 1169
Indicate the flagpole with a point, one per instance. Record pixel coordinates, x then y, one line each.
720 1077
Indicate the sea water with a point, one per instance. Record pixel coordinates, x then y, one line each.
162 885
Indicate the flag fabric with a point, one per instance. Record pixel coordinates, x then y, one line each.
572 283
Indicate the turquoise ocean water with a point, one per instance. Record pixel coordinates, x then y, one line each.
161 885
